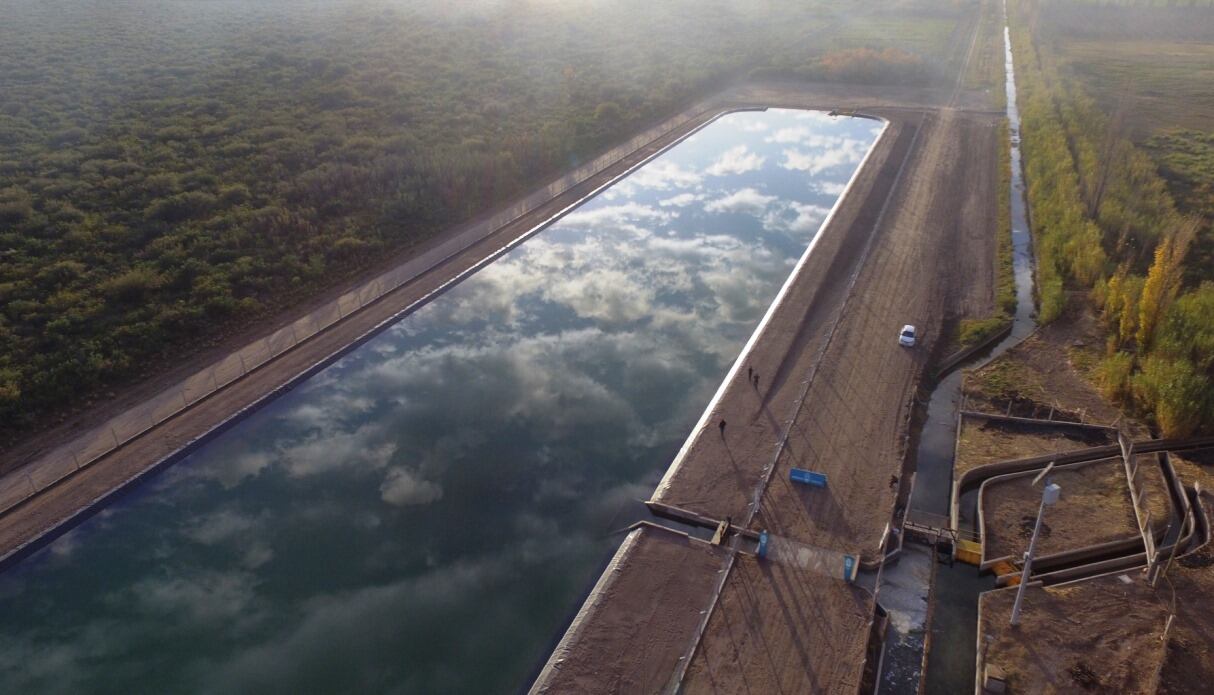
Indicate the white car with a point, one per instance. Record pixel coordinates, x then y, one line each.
907 337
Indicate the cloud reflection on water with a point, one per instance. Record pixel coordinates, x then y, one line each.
385 524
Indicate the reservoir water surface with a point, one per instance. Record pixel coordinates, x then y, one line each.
425 515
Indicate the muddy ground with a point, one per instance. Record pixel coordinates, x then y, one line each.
1105 634
1101 636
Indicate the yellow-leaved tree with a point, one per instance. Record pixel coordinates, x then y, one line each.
1163 280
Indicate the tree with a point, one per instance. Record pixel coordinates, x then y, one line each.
1163 280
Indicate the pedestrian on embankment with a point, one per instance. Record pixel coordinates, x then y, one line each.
722 428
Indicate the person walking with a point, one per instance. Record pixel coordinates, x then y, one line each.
722 428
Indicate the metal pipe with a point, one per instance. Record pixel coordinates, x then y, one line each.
1049 495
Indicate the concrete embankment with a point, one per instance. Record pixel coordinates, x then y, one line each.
643 622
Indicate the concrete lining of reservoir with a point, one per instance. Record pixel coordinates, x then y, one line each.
626 609
56 490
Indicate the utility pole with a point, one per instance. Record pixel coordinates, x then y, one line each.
1049 496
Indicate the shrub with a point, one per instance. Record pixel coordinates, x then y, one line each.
180 207
1114 376
974 331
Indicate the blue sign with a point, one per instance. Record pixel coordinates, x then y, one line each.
762 544
849 567
805 477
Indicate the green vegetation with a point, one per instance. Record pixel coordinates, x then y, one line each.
171 172
1005 289
1186 161
974 331
1104 220
1007 380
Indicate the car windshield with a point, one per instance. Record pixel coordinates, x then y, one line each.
908 333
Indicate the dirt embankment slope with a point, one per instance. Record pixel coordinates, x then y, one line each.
640 610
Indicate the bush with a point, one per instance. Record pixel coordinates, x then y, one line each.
1179 396
180 207
1114 375
874 66
132 286
974 331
